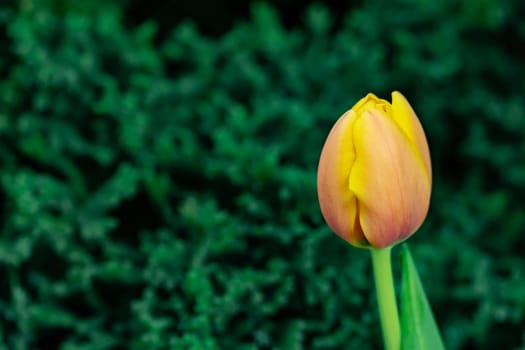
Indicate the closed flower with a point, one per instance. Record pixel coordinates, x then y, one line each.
374 176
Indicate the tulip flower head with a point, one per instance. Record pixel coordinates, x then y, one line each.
374 177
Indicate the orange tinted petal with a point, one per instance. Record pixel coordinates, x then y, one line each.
338 204
407 120
388 179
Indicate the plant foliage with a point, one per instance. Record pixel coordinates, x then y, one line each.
158 190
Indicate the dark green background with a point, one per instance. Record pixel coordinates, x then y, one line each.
158 168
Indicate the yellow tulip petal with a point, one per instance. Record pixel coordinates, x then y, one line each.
371 101
338 204
406 119
388 179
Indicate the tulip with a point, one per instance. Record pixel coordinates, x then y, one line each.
374 176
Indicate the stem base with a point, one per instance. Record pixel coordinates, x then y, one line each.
386 298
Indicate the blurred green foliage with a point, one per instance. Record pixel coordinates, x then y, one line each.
157 190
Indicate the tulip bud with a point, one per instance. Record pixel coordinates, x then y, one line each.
374 176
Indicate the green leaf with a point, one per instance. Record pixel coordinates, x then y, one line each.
418 327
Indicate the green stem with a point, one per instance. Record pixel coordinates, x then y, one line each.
386 298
